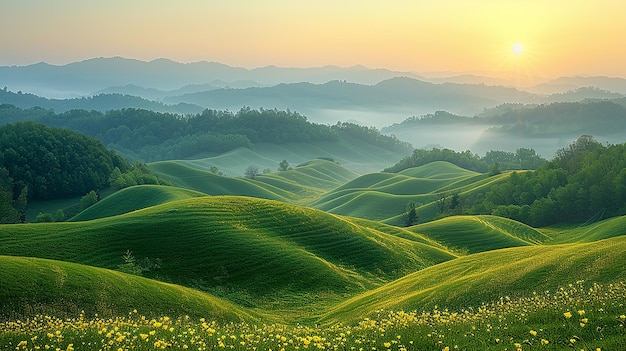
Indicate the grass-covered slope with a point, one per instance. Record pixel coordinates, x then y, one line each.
181 175
253 251
134 198
300 184
472 234
605 229
356 155
438 170
32 285
384 196
474 279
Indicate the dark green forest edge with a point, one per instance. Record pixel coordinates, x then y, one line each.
152 136
586 181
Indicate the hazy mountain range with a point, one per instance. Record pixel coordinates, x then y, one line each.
327 94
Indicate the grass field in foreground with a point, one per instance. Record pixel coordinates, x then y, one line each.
32 285
254 252
470 280
578 316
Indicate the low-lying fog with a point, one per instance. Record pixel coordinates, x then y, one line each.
459 137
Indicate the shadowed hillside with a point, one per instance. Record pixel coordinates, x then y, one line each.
471 280
254 252
49 287
134 198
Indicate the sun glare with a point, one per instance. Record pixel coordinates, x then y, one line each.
518 49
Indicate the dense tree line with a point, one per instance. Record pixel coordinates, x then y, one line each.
150 136
574 118
523 158
371 135
585 181
39 162
592 117
54 162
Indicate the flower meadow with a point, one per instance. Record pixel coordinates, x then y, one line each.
580 316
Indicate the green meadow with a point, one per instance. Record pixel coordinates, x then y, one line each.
309 258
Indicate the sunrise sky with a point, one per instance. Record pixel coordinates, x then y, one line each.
541 38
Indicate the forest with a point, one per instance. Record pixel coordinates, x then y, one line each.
152 136
493 161
39 162
595 117
585 182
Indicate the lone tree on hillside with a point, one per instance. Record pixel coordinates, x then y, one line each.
283 166
410 216
252 171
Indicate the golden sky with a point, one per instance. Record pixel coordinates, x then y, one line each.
555 37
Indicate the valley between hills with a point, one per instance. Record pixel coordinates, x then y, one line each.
315 245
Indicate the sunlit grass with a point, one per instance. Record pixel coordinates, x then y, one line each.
576 316
254 252
134 198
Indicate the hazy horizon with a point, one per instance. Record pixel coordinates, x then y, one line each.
520 40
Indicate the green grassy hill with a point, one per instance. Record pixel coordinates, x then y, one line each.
181 175
134 198
438 170
483 277
298 185
252 251
384 196
48 287
356 155
605 229
472 234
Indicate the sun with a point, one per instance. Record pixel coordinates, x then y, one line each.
518 49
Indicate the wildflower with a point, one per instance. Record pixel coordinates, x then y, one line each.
544 342
567 315
533 333
581 312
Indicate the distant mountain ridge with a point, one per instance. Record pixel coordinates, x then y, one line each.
375 97
93 75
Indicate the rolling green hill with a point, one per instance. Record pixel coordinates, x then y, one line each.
474 279
472 234
384 196
48 287
254 252
184 176
353 154
608 228
134 198
297 185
